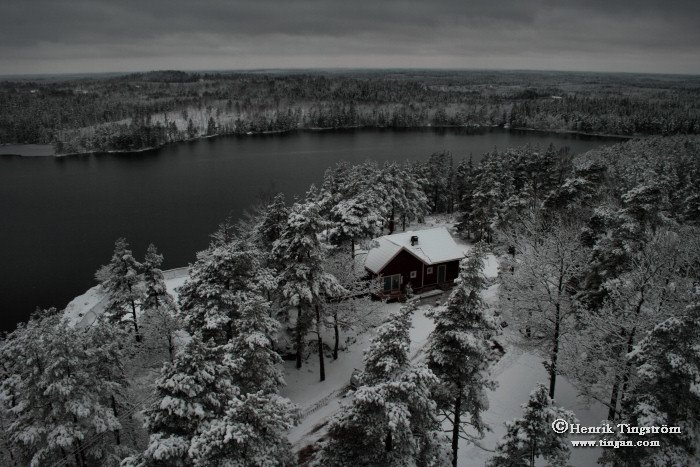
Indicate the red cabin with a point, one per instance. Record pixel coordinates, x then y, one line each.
427 259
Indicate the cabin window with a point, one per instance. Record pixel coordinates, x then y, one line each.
392 282
429 270
414 274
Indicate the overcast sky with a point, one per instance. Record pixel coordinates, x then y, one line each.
65 36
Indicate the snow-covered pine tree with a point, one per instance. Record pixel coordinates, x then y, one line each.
257 366
415 202
392 419
59 392
459 351
121 280
531 436
155 293
391 194
337 183
194 389
225 233
667 363
487 196
353 219
160 313
252 432
218 282
272 220
305 285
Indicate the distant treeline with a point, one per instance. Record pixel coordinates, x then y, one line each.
151 109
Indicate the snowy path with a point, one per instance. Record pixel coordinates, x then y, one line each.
516 373
320 400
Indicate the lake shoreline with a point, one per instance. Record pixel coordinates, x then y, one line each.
323 129
175 196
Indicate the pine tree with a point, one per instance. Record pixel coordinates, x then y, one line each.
465 183
158 305
192 390
257 364
337 185
191 129
225 233
60 391
272 221
392 418
121 280
305 285
415 202
211 127
531 436
667 363
459 351
354 219
252 432
221 278
155 294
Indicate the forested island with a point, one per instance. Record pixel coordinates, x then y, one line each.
145 110
596 277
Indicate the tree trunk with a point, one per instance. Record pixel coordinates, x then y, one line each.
388 442
555 354
171 346
352 251
403 222
628 366
116 432
299 337
337 336
435 199
321 361
136 326
612 410
455 427
79 454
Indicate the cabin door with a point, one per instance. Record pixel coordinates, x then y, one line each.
392 283
441 272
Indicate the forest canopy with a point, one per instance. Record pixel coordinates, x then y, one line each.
145 110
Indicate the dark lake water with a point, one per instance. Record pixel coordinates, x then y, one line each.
59 217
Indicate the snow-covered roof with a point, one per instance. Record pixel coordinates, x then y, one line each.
433 246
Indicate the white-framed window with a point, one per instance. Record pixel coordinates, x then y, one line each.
429 270
414 274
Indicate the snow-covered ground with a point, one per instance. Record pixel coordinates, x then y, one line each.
517 372
84 309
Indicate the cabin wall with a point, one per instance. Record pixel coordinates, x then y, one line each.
403 263
451 273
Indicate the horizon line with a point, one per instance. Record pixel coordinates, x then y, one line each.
78 74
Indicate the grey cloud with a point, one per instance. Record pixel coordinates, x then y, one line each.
95 35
